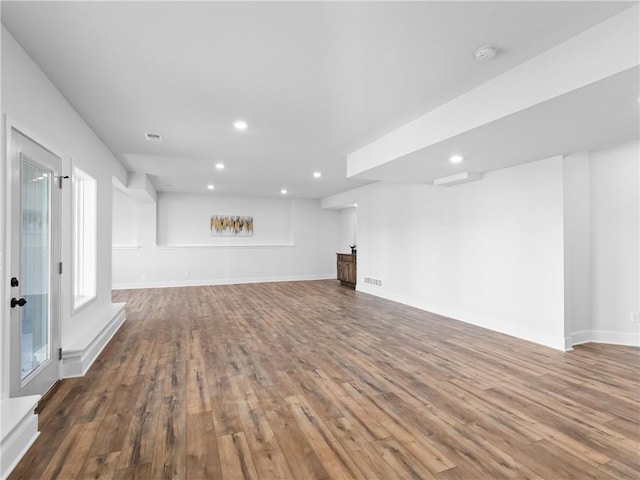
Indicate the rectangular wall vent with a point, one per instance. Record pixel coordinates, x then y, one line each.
373 281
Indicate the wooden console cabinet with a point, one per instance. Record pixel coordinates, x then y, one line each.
347 269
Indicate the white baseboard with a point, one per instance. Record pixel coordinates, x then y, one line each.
603 336
19 430
514 330
568 344
218 281
78 358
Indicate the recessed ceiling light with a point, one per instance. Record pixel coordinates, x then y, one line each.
485 53
456 158
220 166
240 125
153 137
210 187
283 191
317 174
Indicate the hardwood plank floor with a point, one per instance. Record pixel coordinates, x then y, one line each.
310 380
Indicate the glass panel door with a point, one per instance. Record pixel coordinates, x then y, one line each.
35 260
34 324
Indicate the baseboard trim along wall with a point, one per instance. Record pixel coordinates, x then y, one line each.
603 336
19 431
221 281
78 358
518 331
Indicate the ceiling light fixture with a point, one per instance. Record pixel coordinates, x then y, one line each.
220 166
485 53
283 191
456 158
317 174
240 125
210 187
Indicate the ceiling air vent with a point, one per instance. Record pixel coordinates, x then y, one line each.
153 137
457 179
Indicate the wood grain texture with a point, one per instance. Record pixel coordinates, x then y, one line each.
309 380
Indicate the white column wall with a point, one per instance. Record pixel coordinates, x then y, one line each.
577 247
615 243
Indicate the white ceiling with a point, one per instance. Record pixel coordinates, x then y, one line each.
314 80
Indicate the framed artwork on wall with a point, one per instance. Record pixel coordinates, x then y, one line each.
231 226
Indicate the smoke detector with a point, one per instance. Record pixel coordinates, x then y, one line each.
485 53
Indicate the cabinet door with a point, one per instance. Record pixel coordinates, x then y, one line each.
350 275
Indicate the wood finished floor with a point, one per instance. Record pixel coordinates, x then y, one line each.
311 380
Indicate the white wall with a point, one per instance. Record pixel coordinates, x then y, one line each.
184 219
547 251
294 239
30 99
348 229
602 245
577 245
487 252
615 240
125 210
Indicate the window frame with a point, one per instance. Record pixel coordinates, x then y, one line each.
84 248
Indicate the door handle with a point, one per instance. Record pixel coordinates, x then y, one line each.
20 303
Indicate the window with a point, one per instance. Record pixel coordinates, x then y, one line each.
85 211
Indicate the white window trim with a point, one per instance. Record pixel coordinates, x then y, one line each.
89 286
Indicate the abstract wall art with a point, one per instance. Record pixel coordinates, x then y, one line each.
231 225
